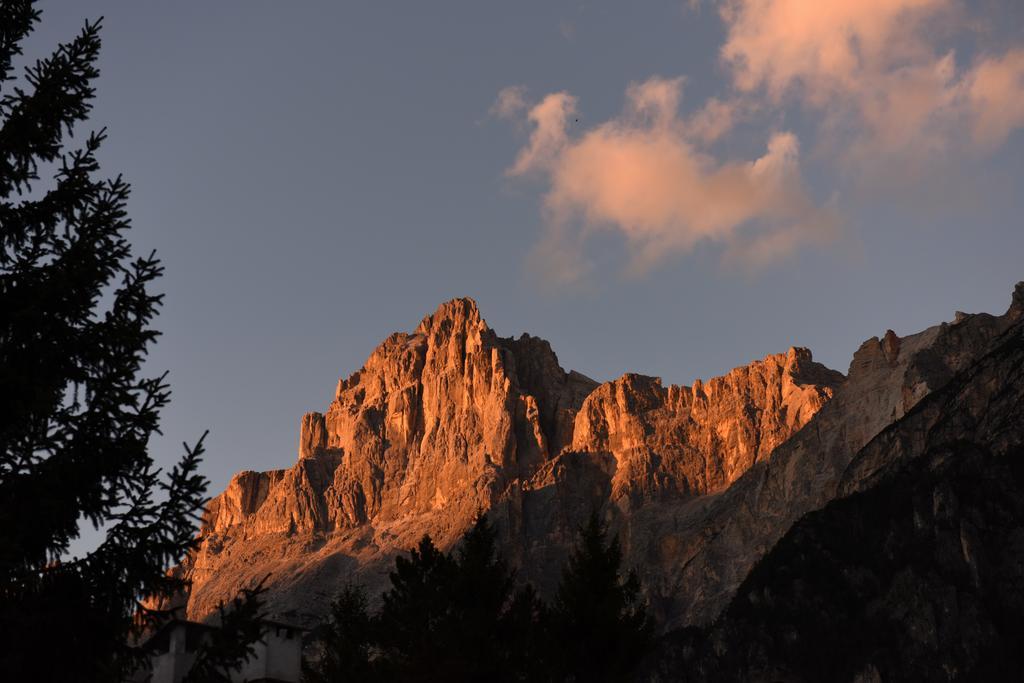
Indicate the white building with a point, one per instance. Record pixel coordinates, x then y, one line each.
277 656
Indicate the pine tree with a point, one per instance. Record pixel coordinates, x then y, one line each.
524 637
342 647
482 591
76 413
413 628
599 627
447 616
239 626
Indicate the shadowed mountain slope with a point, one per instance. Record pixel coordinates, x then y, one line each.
915 571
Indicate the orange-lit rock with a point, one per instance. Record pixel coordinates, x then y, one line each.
679 440
452 419
717 540
698 481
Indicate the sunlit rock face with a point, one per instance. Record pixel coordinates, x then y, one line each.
452 419
913 570
437 425
677 440
714 541
699 482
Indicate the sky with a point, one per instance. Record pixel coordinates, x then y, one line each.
671 188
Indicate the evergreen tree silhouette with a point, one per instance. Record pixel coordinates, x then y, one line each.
598 626
482 591
240 625
496 626
524 638
341 649
446 617
414 627
76 415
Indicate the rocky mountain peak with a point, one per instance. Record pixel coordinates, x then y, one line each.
450 419
453 314
698 481
888 379
1017 303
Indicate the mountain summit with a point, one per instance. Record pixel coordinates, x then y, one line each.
698 481
451 419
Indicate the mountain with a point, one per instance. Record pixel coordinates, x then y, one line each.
729 533
914 570
452 419
699 482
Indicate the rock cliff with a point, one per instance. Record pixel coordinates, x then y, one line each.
452 419
719 539
699 482
697 440
913 571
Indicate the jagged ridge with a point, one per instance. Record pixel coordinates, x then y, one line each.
451 419
914 571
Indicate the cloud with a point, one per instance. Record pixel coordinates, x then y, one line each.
510 103
715 119
822 47
548 137
995 90
888 94
644 176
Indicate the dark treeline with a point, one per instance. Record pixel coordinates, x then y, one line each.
460 616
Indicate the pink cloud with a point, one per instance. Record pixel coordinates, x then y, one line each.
887 104
822 47
995 90
510 102
548 136
644 176
889 97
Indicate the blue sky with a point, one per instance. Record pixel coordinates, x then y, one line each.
317 175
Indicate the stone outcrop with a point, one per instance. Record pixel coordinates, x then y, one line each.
452 419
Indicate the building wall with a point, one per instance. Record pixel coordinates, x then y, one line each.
171 666
277 657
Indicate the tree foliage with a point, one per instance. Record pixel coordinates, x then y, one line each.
598 621
449 616
459 616
76 409
240 625
341 648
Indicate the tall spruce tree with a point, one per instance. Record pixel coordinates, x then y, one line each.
598 623
341 648
76 412
414 626
482 590
447 617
